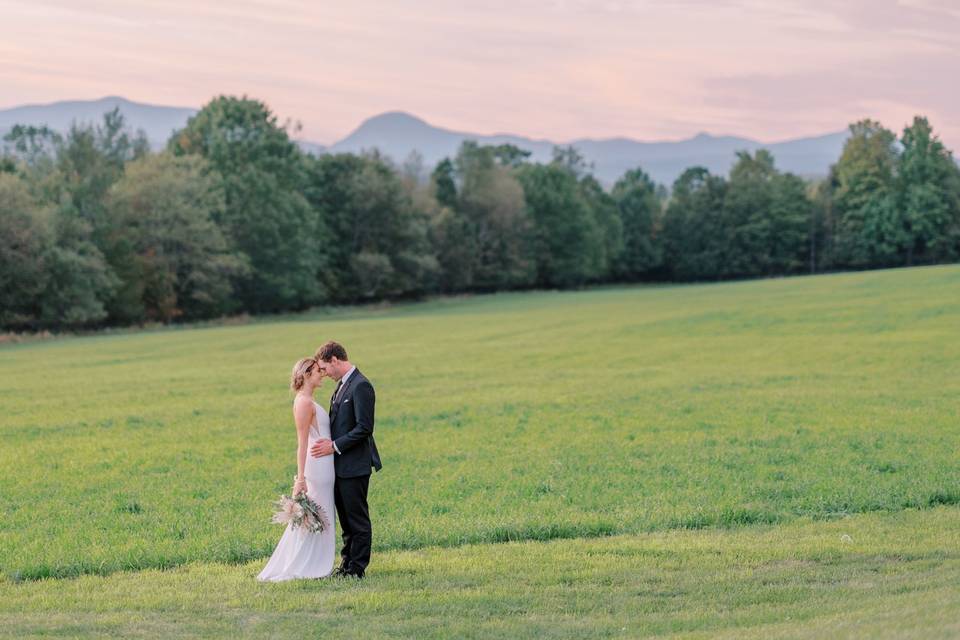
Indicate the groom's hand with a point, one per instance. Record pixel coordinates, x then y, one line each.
321 447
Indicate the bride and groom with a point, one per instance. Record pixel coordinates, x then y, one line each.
335 453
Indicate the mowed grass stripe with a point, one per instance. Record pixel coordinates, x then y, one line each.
517 416
891 575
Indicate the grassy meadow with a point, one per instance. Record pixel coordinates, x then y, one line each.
659 460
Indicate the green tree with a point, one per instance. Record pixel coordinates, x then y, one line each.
766 218
570 158
379 241
509 155
266 216
450 232
694 235
90 159
78 278
25 244
869 230
566 236
31 152
928 195
33 145
480 229
444 184
72 174
609 245
793 221
491 202
162 214
638 206
820 248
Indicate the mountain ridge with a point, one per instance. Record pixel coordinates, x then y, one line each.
398 133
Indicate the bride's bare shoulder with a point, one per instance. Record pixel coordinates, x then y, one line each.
303 404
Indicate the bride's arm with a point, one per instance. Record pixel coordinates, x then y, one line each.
303 416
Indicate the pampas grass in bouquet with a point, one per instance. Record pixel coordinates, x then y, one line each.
301 511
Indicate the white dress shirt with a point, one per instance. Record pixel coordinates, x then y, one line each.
346 376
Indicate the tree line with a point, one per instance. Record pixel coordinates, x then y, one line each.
97 230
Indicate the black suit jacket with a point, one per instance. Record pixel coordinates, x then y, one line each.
351 428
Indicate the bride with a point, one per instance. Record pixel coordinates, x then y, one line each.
301 554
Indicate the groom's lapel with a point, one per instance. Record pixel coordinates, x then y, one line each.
343 394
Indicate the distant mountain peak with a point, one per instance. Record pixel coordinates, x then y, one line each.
394 119
396 134
383 131
397 116
157 121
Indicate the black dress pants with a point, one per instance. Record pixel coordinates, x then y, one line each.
350 497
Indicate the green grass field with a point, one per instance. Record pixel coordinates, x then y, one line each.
660 460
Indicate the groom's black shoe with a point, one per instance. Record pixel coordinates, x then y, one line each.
353 574
341 572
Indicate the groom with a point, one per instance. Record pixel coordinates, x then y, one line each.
354 451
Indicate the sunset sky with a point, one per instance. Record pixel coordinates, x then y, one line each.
557 69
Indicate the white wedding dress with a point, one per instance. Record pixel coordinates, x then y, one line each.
301 554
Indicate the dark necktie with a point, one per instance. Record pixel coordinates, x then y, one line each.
333 398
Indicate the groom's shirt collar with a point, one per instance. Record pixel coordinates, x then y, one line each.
346 376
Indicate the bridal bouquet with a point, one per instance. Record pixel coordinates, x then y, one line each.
301 511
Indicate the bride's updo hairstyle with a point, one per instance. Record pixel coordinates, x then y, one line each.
299 374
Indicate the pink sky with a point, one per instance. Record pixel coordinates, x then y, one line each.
558 69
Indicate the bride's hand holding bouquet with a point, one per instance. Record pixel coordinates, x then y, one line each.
299 485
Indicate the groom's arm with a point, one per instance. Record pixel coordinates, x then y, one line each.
364 400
